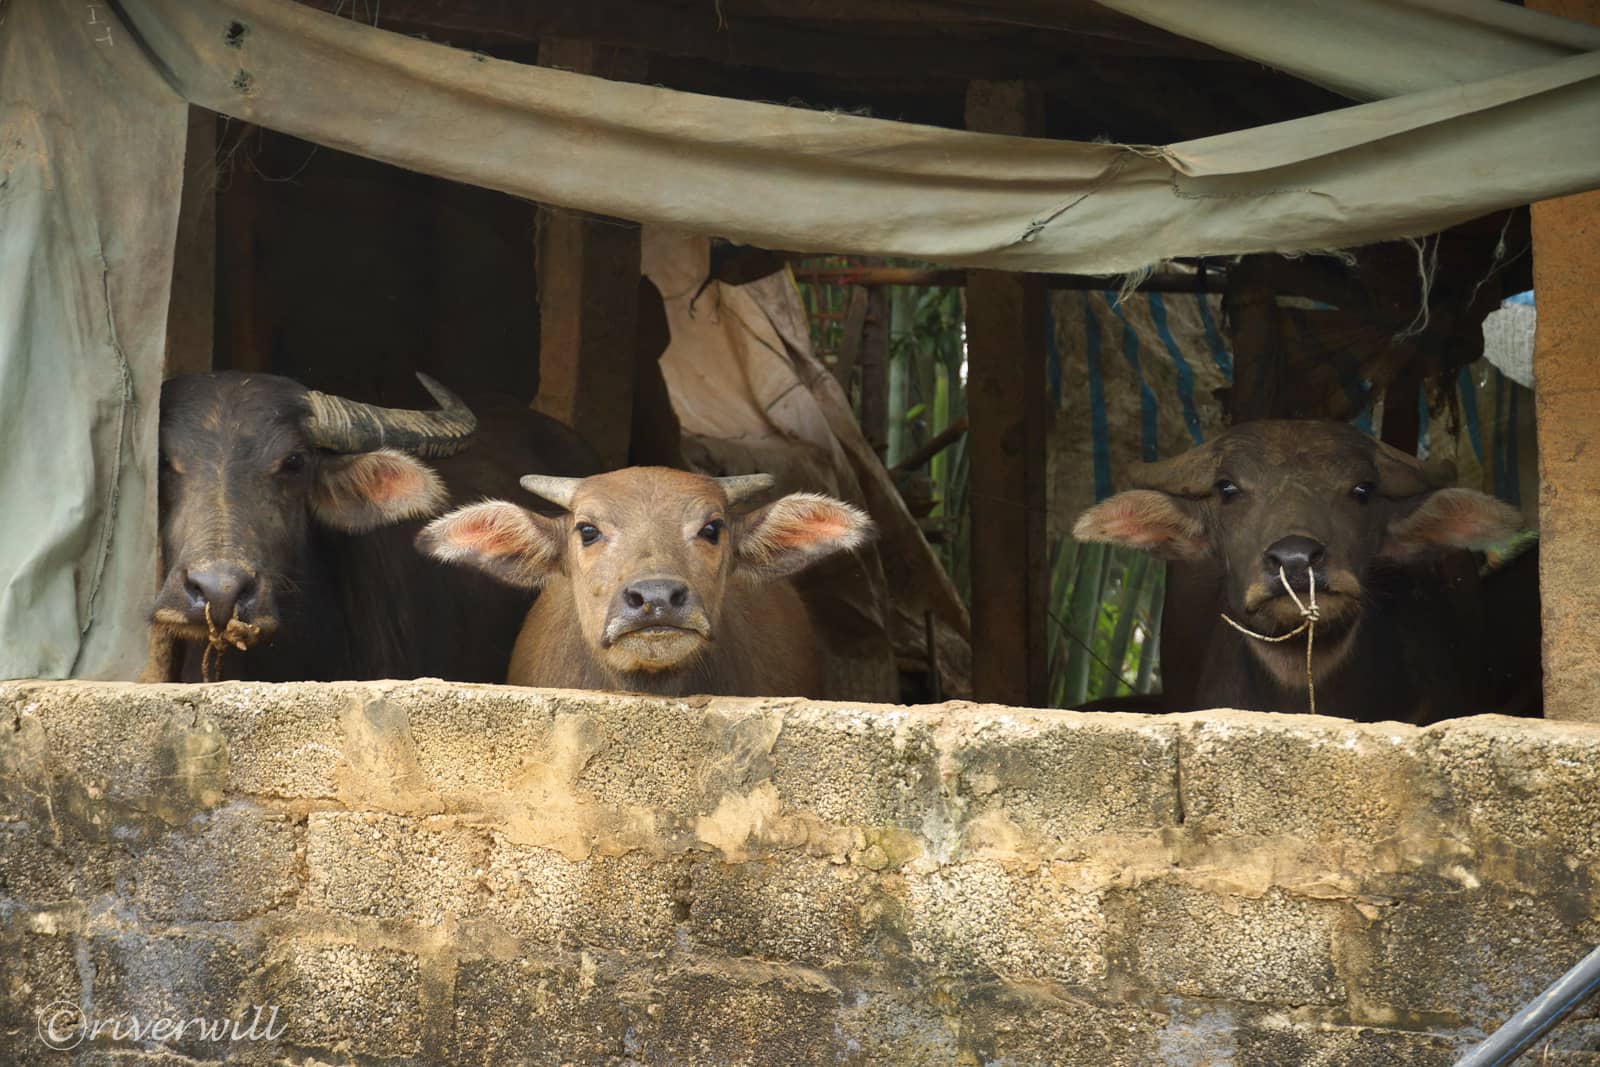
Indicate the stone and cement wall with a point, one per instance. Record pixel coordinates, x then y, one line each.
423 873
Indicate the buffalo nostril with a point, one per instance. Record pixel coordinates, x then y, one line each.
1295 554
655 596
226 587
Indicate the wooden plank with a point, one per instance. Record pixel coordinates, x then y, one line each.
1566 363
1006 405
589 296
191 308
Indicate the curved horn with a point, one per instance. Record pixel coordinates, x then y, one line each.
556 490
1400 475
341 425
741 487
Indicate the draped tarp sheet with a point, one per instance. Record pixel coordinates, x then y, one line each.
1496 107
91 150
807 180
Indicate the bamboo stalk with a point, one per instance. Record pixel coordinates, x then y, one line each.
1085 604
1135 586
1150 652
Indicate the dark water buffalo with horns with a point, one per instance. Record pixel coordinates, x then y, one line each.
657 581
287 523
1268 511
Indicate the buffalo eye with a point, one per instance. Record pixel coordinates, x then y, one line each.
1226 489
1363 492
292 463
712 531
588 532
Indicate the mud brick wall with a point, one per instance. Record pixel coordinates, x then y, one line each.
423 873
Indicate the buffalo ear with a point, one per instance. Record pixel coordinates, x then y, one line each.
366 490
791 533
1450 518
1188 474
508 543
1147 520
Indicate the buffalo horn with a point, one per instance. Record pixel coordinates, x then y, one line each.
556 490
1400 475
741 487
341 425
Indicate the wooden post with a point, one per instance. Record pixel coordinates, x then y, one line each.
1255 336
589 294
1566 365
243 326
1006 404
191 308
874 356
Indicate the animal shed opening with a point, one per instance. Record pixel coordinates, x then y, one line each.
983 422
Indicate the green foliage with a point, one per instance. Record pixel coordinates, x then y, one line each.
1105 603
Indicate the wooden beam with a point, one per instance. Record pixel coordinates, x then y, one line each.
243 327
589 296
1200 282
1006 391
777 39
1566 363
655 438
874 356
191 308
1255 336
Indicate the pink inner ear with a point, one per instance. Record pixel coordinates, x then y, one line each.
1134 524
382 480
484 532
1463 522
816 526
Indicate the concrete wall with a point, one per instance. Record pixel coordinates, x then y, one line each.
427 873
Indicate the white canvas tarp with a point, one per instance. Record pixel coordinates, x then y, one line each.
805 180
1494 107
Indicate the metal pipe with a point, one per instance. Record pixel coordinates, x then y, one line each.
1537 1016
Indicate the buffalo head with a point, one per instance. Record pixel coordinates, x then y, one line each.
1270 503
649 553
249 462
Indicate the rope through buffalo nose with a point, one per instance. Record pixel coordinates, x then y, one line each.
1310 614
211 658
217 642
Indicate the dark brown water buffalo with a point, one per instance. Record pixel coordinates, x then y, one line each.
1401 631
287 522
655 582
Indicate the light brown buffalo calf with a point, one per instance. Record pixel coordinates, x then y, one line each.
655 581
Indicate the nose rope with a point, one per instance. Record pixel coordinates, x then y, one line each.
211 658
1310 614
218 641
